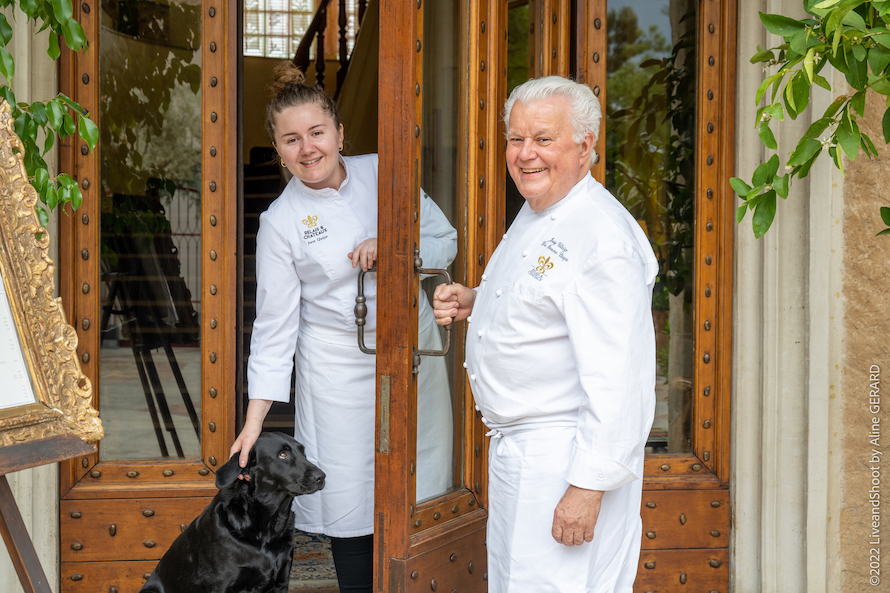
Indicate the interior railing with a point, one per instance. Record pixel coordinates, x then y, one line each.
316 33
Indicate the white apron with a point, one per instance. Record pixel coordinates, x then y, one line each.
335 422
527 470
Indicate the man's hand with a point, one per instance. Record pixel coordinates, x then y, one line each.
452 302
365 253
575 516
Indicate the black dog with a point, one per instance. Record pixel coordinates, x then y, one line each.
243 541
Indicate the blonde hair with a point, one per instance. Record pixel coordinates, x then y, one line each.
289 90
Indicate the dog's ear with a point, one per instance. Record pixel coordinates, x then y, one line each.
229 472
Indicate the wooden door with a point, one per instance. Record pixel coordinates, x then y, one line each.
148 279
686 80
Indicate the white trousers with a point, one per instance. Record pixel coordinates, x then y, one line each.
527 470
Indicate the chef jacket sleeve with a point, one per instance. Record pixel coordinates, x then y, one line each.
438 239
274 338
608 312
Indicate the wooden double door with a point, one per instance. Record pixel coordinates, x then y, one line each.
155 263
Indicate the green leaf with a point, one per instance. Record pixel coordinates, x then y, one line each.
871 145
883 38
48 143
775 111
835 106
878 58
41 178
55 114
70 103
800 88
89 132
853 19
885 215
63 10
765 172
38 112
739 186
763 55
836 40
781 185
848 137
53 51
781 25
29 7
808 63
42 216
75 38
806 150
884 232
68 125
857 73
76 197
859 52
820 80
765 85
7 64
789 98
766 136
5 30
826 4
817 127
742 210
764 214
858 102
52 197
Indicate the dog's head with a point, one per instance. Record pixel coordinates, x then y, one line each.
276 464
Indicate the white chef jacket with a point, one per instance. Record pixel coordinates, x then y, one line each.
306 287
561 339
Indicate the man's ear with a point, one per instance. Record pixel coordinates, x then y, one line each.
229 472
586 147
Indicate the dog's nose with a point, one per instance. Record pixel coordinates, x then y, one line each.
318 476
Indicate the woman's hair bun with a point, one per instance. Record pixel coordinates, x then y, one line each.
286 74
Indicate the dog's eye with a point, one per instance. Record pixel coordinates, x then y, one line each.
282 455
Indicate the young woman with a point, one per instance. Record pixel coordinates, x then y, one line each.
311 241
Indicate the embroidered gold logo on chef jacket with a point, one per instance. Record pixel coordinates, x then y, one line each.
315 232
544 264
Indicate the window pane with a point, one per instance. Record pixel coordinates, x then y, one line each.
650 167
150 133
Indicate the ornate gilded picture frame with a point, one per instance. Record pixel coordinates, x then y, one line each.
44 393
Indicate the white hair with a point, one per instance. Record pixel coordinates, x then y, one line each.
584 115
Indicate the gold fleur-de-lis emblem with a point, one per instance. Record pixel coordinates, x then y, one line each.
310 221
544 264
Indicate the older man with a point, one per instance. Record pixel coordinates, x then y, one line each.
561 359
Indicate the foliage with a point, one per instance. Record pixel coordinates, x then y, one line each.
650 140
854 37
46 119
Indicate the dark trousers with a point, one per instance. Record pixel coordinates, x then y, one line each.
354 561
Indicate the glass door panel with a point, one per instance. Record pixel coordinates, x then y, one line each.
650 127
150 138
438 410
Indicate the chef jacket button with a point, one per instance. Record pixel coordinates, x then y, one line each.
472 377
553 217
484 420
479 333
525 253
505 235
499 292
465 364
469 319
477 407
484 278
